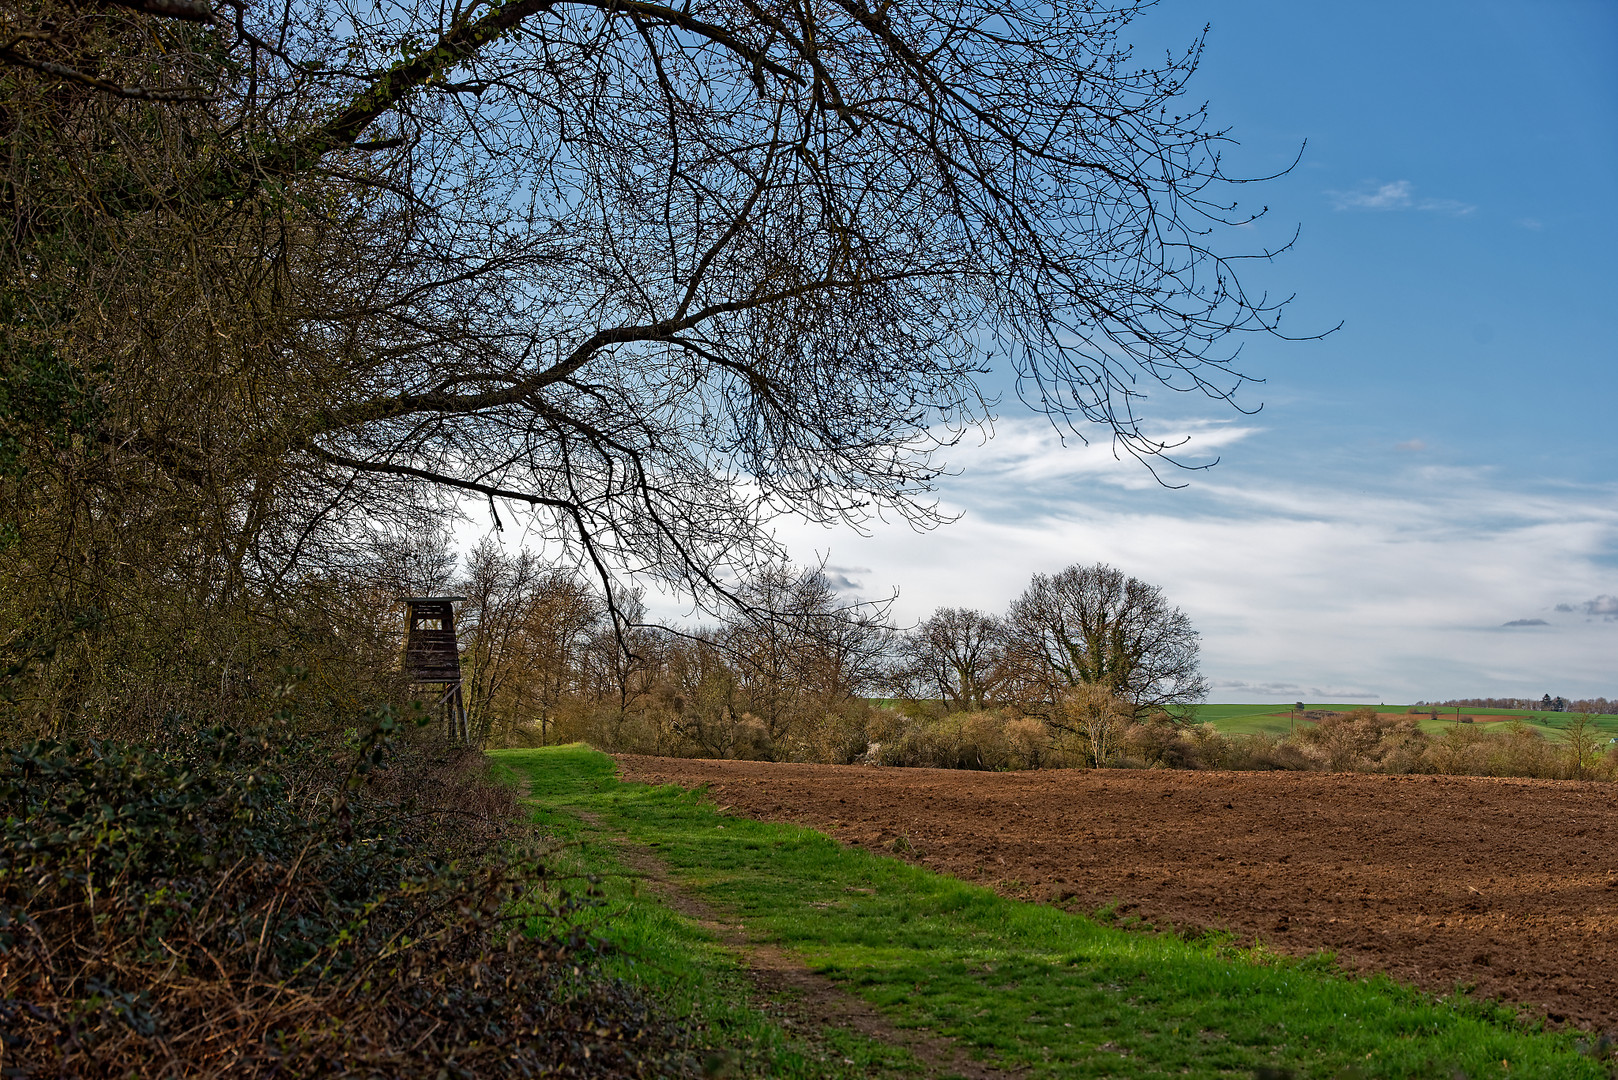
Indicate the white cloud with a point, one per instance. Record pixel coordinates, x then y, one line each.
1030 452
1399 195
1394 196
1412 446
1387 591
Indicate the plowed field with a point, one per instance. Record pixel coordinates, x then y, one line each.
1508 885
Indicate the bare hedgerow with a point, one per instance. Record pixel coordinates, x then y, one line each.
993 739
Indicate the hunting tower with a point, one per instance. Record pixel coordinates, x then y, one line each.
433 657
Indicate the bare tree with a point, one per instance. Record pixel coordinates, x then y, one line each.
650 274
1581 738
500 595
702 697
555 634
956 655
624 660
1097 716
1095 626
798 652
604 261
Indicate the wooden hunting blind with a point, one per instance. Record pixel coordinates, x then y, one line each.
432 656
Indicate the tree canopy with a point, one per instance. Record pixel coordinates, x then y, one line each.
1095 626
281 275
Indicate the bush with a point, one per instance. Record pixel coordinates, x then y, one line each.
1364 741
1261 752
1164 743
1519 750
992 739
251 907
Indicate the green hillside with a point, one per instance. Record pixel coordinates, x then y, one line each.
1277 719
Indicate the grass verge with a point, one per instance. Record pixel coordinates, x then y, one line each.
696 980
1023 985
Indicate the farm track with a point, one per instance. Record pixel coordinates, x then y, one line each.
795 997
1507 885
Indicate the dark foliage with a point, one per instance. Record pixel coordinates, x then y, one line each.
254 906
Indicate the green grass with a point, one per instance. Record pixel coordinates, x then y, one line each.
685 969
1276 719
1252 719
1025 985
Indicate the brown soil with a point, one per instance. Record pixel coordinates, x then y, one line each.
1508 885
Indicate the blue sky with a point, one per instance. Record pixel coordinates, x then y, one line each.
1442 466
1446 463
1456 206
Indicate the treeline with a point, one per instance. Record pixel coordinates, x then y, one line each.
1596 706
789 673
1086 668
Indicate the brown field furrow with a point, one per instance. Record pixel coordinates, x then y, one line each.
1508 885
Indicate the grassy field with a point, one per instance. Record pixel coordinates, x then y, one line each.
1251 719
1276 719
652 946
1025 986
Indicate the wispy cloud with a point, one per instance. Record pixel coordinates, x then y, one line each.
841 577
1412 446
1398 195
1280 691
1031 451
1394 196
1605 606
1526 622
1387 588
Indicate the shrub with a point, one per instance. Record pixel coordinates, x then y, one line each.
1519 750
1028 742
1166 741
250 907
1260 752
1212 749
970 739
1365 741
1460 751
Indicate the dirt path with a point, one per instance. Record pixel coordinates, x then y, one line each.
797 998
1510 886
